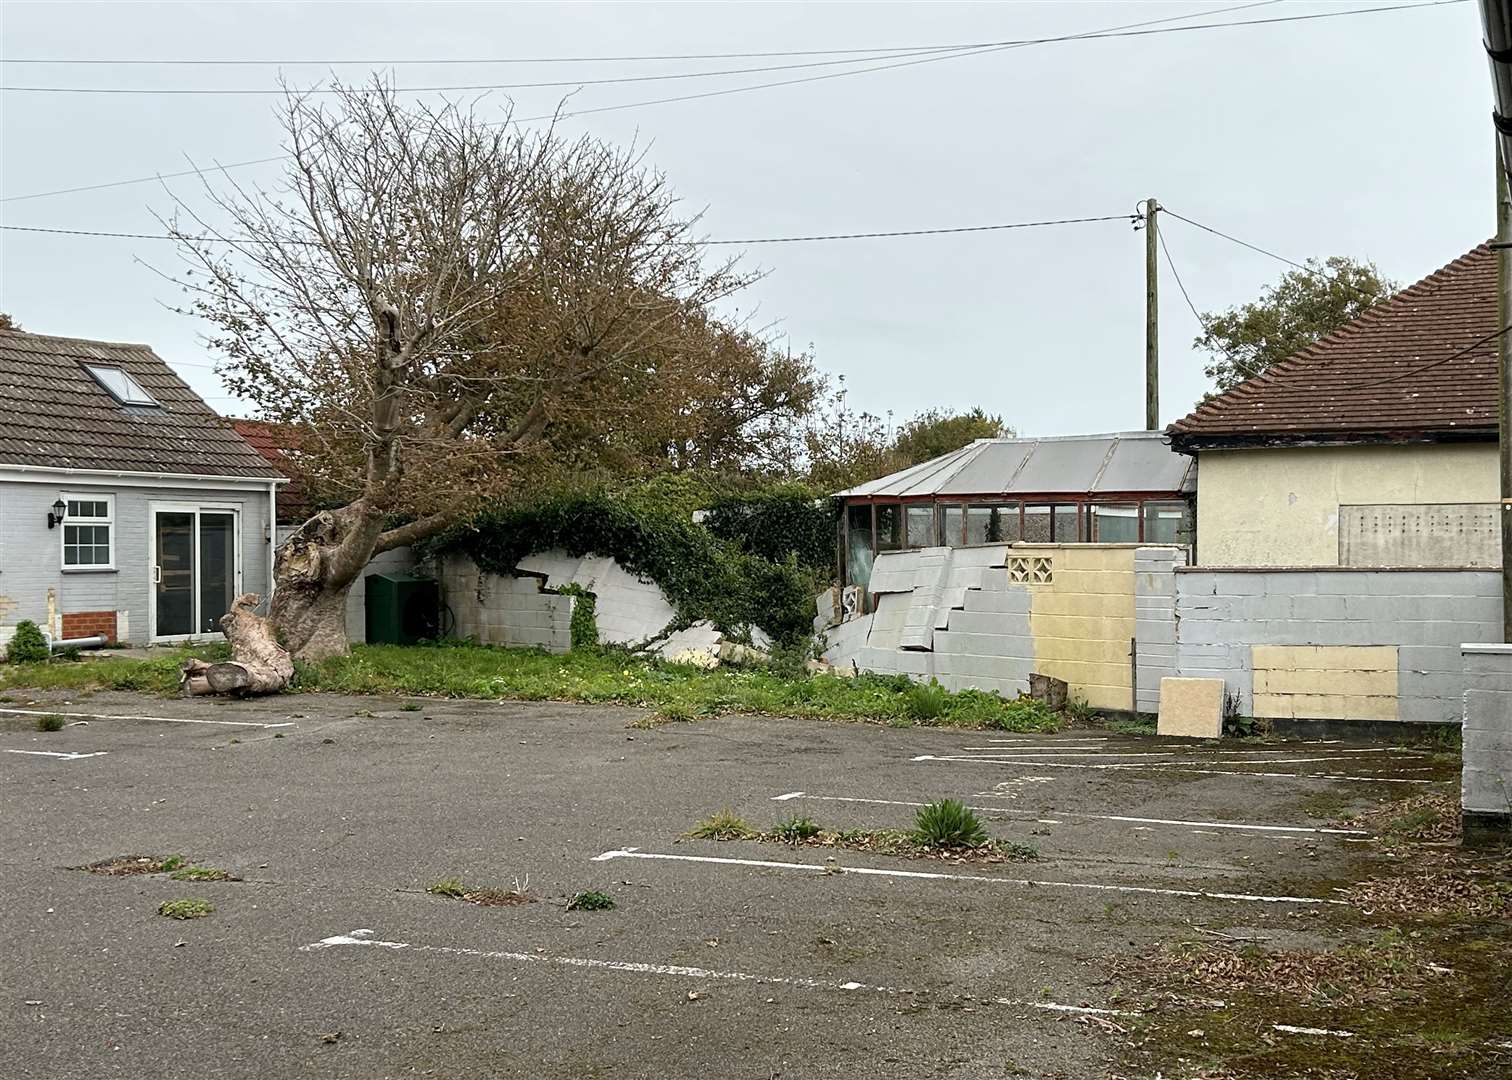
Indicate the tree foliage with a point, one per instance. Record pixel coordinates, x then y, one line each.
8 323
451 311
1303 306
936 432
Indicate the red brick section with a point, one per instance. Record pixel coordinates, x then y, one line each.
1372 376
89 623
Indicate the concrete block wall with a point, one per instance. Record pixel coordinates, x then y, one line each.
1486 780
629 609
497 610
1155 620
1423 615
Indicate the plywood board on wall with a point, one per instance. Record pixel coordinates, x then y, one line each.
1325 682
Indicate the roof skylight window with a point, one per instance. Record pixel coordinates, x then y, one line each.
120 385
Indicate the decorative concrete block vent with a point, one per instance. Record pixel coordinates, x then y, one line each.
1192 708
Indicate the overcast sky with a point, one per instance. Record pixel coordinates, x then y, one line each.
1366 136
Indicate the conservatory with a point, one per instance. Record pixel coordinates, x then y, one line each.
1122 488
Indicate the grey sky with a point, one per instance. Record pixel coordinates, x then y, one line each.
1366 136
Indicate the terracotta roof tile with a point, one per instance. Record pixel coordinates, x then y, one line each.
53 414
271 440
1372 377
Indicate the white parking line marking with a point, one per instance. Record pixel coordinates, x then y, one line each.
927 875
1176 766
60 754
128 716
1067 813
364 938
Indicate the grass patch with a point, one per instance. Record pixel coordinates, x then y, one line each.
723 824
409 706
185 909
483 895
800 831
202 873
593 676
591 900
1137 726
50 722
127 865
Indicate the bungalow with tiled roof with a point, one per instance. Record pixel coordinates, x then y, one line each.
128 508
1376 446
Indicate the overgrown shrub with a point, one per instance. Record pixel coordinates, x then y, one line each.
583 627
27 645
702 576
947 824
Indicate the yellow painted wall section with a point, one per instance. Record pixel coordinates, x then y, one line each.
1325 682
1083 619
1280 507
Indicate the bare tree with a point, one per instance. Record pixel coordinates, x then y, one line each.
445 309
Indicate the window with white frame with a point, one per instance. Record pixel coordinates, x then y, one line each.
89 532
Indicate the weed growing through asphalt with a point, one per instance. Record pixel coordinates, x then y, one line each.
126 865
201 873
948 824
409 706
51 722
450 887
591 900
795 830
799 831
484 895
723 824
185 909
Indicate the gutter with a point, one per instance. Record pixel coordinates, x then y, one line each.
1496 26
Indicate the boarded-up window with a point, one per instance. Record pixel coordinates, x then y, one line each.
1441 534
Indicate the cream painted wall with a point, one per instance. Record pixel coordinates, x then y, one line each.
1280 507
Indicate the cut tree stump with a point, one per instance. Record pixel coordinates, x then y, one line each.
258 664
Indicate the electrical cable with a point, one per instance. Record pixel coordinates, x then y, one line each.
747 240
1111 31
1311 271
1159 235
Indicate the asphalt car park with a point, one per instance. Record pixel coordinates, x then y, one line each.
329 957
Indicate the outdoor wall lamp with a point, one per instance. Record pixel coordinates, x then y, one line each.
55 516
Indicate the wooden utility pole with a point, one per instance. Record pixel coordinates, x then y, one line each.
1504 396
1152 320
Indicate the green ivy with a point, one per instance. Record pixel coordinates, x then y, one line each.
702 575
584 624
778 523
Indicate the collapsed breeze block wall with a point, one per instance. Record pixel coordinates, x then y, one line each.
988 617
629 609
498 610
1335 644
1486 778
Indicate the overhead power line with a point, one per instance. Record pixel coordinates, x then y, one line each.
932 52
745 241
1159 235
1309 270
1109 31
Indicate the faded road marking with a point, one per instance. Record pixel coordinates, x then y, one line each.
979 879
127 716
65 756
363 938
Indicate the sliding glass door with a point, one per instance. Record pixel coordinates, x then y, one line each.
196 568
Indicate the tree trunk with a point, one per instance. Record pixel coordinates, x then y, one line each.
258 664
314 571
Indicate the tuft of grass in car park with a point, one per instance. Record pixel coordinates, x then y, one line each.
943 830
453 888
51 722
190 908
596 676
591 900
